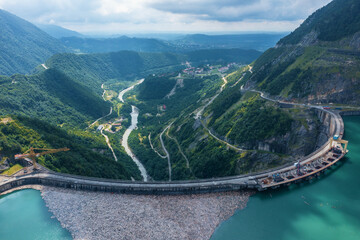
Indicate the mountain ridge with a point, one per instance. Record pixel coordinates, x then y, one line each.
306 67
23 46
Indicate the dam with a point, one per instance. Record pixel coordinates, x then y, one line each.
311 166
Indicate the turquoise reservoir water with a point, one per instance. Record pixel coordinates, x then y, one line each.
328 208
24 216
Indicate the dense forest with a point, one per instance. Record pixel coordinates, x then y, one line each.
51 96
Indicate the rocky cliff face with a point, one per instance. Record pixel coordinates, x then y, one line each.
302 140
307 129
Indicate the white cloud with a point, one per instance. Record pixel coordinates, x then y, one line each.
114 16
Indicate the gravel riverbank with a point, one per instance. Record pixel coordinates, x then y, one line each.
94 215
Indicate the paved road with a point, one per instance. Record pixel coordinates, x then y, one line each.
202 109
165 150
109 144
101 118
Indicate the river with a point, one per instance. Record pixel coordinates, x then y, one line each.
134 120
328 208
23 215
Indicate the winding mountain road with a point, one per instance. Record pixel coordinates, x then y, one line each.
165 150
109 145
152 147
111 109
199 114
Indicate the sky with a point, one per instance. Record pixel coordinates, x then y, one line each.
166 16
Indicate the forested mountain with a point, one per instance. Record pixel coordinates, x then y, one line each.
57 31
319 61
51 96
94 69
23 46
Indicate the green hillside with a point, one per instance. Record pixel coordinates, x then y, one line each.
94 69
239 118
23 46
21 133
319 61
52 96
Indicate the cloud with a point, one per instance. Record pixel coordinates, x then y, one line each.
165 15
240 10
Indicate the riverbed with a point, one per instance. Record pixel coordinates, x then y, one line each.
134 120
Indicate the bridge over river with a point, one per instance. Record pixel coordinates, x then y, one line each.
312 165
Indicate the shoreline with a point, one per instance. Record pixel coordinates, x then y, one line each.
35 187
98 215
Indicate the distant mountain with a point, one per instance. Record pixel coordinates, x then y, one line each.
319 61
180 44
102 45
260 42
57 31
23 46
222 56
